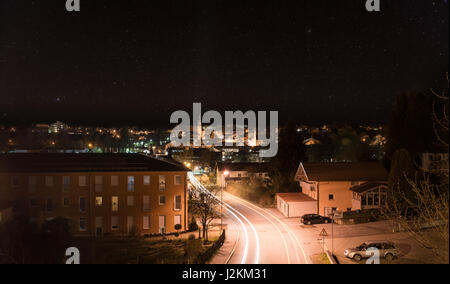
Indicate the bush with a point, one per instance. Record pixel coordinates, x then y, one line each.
193 225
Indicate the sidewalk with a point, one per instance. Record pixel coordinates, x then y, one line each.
231 239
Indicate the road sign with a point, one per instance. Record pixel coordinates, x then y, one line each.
323 233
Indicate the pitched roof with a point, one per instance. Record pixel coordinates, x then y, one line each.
83 162
367 186
248 167
362 171
295 197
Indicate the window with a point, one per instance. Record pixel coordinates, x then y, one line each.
15 181
82 224
177 180
162 200
98 183
66 201
330 196
162 224
115 203
32 182
177 220
146 203
162 182
98 201
114 223
130 200
130 223
82 204
146 222
48 181
82 181
98 222
178 203
33 202
66 183
146 180
364 200
49 205
130 183
114 180
370 199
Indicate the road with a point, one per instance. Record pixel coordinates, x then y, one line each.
263 238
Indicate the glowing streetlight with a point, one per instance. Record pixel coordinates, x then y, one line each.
225 174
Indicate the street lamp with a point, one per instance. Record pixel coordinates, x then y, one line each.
225 174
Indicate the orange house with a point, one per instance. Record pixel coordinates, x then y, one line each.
99 193
333 185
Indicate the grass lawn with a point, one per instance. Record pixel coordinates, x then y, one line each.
320 258
112 250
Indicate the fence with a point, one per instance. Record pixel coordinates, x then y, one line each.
209 253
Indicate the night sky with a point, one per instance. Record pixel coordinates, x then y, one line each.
125 62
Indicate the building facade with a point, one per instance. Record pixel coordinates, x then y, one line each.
228 173
99 193
331 184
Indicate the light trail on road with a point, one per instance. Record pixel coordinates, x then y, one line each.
286 227
235 214
276 227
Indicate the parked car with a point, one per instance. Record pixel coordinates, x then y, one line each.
386 250
310 219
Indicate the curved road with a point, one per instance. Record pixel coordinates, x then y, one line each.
262 238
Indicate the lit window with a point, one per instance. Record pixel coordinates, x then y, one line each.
98 201
115 203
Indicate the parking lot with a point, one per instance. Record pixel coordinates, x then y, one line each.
341 237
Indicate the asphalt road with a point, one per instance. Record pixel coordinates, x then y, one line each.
260 236
270 240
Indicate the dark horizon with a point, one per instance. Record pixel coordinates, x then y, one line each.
135 62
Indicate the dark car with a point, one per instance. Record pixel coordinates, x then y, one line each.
310 219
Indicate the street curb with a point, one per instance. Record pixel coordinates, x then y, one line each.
331 257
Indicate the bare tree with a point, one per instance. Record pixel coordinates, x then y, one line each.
423 209
205 209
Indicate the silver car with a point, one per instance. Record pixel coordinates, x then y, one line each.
386 250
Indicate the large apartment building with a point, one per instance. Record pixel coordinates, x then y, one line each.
100 193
